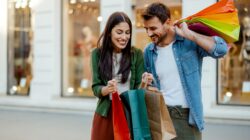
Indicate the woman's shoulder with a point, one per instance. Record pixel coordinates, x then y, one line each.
95 51
137 54
136 50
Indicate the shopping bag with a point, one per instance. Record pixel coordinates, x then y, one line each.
227 31
221 18
120 126
161 125
202 29
136 113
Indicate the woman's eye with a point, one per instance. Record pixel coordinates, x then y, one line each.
128 32
119 32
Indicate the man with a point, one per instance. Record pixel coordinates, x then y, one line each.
174 58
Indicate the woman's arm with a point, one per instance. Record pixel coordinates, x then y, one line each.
97 82
139 68
100 87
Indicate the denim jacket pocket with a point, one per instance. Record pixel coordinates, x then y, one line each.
189 62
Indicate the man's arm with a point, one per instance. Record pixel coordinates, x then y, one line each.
206 42
215 46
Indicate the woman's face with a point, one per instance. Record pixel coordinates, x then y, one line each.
120 36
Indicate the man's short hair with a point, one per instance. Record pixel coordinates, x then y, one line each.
158 10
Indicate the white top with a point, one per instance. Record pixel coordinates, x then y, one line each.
116 65
169 77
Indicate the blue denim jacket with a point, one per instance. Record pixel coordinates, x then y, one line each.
188 56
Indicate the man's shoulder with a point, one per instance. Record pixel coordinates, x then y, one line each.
184 43
149 46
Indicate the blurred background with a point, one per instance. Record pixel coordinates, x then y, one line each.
45 69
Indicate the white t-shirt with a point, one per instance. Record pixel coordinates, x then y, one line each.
121 87
169 77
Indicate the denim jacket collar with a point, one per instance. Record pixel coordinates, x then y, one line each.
154 48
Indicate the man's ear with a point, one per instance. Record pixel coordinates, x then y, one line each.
167 23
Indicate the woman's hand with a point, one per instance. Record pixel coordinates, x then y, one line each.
110 88
147 79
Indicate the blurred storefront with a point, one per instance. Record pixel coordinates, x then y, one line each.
234 69
45 51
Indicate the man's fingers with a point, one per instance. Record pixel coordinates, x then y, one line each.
144 74
150 76
176 22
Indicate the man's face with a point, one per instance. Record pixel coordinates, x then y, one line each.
155 29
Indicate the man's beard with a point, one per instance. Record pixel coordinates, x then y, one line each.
161 38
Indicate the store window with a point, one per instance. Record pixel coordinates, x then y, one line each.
140 38
81 29
19 47
234 68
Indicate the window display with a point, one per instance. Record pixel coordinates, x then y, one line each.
81 22
19 47
234 74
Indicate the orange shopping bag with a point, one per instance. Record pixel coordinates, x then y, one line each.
120 126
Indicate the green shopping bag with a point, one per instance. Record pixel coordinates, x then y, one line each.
136 113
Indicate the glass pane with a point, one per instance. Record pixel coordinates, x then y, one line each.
81 29
140 38
234 68
19 47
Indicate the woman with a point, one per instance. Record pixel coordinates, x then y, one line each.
116 66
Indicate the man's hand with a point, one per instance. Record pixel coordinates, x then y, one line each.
183 30
147 78
205 42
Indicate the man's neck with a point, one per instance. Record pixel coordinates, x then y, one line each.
170 38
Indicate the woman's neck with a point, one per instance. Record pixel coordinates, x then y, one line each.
117 50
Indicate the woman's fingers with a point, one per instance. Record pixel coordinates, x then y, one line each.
112 86
110 90
112 82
